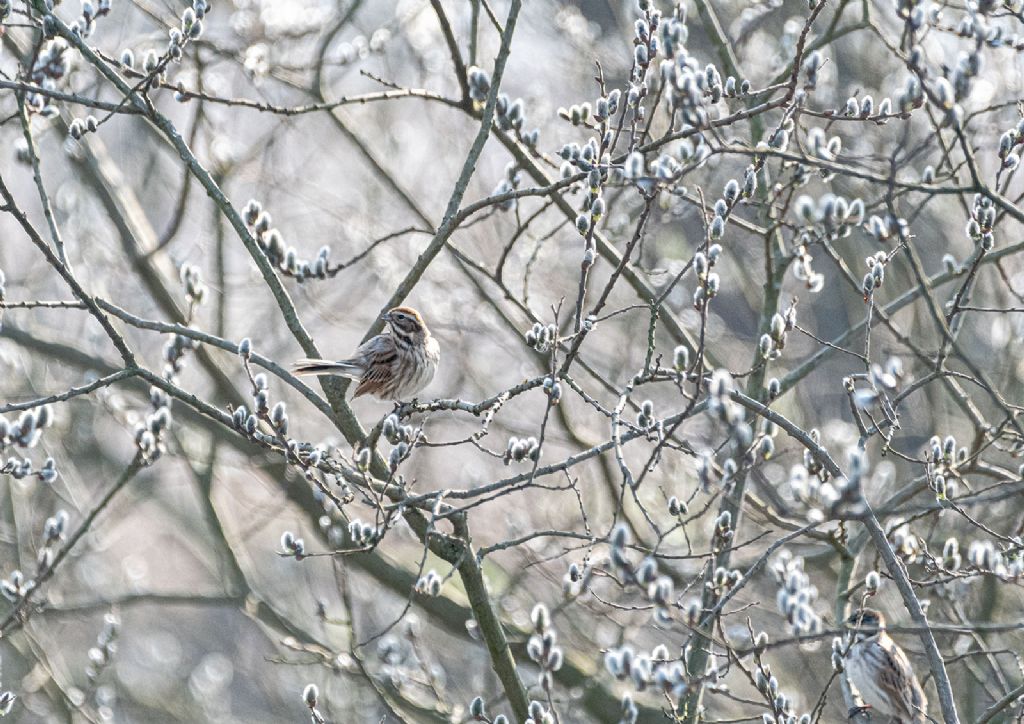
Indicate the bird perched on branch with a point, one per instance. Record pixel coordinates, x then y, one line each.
880 670
389 366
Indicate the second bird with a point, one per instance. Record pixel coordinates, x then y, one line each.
880 671
392 366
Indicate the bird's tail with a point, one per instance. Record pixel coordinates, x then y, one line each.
310 367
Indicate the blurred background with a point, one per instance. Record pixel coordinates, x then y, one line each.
213 624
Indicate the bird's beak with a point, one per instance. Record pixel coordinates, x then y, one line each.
386 316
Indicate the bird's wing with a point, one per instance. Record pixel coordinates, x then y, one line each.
378 356
373 348
898 680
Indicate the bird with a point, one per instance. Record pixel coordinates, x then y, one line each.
393 366
881 672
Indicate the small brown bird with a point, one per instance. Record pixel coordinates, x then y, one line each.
880 671
389 366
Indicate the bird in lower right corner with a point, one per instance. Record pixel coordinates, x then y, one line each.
881 672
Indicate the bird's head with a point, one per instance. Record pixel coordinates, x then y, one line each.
865 623
407 322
